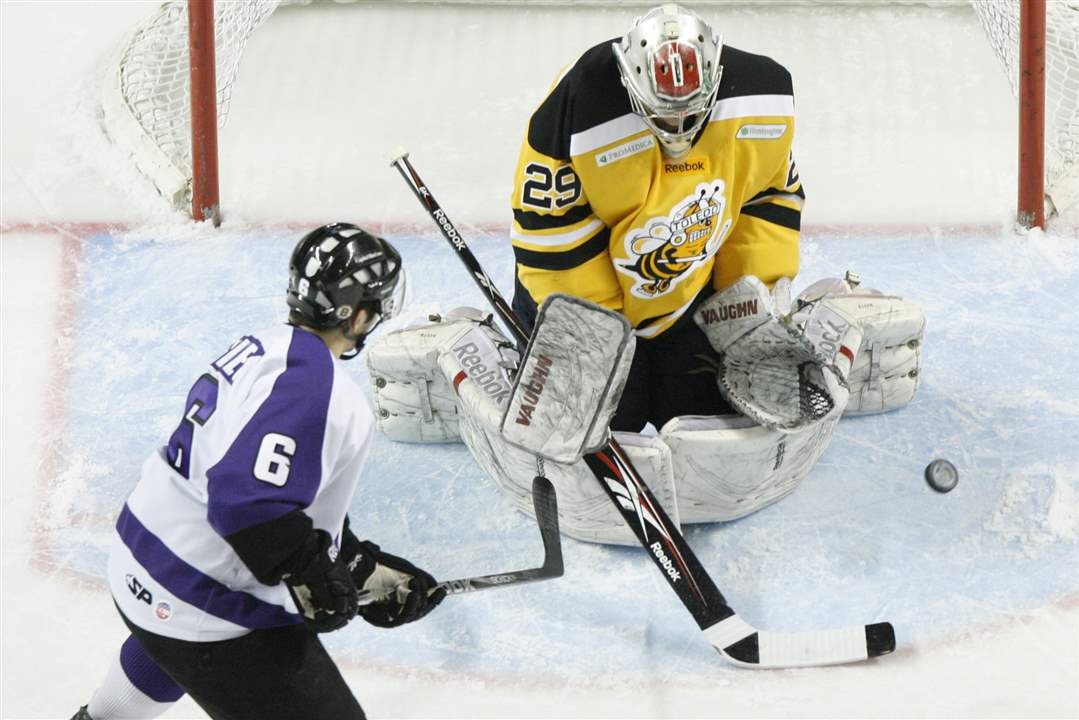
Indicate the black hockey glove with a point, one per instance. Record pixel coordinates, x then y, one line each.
406 592
321 585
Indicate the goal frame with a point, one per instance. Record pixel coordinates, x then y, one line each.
1031 198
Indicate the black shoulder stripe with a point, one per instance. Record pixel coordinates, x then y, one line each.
771 192
776 214
566 259
529 220
589 94
748 74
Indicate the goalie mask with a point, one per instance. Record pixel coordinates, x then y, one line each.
669 63
337 269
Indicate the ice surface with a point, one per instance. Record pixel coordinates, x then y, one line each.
112 305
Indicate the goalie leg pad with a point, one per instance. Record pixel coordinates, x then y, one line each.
571 379
584 510
726 467
888 362
414 401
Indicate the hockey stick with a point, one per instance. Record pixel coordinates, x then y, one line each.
546 506
735 639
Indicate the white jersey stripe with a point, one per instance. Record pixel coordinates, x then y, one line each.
629 124
753 106
558 239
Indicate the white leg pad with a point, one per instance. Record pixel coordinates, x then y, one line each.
414 400
888 362
585 512
726 467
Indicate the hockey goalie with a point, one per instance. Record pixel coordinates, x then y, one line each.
656 184
788 372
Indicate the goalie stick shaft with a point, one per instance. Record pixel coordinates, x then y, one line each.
545 504
735 639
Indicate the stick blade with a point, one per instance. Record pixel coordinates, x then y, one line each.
743 645
545 503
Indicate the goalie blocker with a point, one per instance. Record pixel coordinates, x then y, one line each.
723 467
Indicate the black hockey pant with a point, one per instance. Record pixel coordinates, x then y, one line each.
673 374
276 674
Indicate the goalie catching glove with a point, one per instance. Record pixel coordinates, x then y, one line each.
770 370
403 593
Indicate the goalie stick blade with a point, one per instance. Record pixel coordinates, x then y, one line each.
743 645
545 503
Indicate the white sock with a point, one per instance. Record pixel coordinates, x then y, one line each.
135 688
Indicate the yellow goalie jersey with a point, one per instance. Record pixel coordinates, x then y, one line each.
600 213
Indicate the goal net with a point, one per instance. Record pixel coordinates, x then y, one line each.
147 95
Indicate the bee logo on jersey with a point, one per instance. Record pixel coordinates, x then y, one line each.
663 253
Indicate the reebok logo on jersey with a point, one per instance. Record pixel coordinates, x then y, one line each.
761 132
668 566
532 390
489 379
687 167
746 308
624 151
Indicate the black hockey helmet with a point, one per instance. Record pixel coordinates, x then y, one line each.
339 268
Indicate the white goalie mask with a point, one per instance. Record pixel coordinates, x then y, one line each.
669 62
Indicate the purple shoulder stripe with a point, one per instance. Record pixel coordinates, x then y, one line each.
296 408
192 585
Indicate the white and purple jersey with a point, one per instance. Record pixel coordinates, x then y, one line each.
274 425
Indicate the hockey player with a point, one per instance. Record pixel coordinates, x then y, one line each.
657 172
234 549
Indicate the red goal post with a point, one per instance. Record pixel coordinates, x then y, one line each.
168 92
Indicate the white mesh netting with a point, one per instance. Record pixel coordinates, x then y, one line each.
147 104
1000 20
147 98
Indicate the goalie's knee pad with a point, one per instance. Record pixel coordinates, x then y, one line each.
726 467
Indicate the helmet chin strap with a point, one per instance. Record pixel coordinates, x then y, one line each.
358 338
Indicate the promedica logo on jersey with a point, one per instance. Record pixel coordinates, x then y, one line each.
668 248
625 150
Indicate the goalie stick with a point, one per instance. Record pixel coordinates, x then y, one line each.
546 506
734 638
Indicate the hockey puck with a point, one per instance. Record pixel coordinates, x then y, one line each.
941 475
